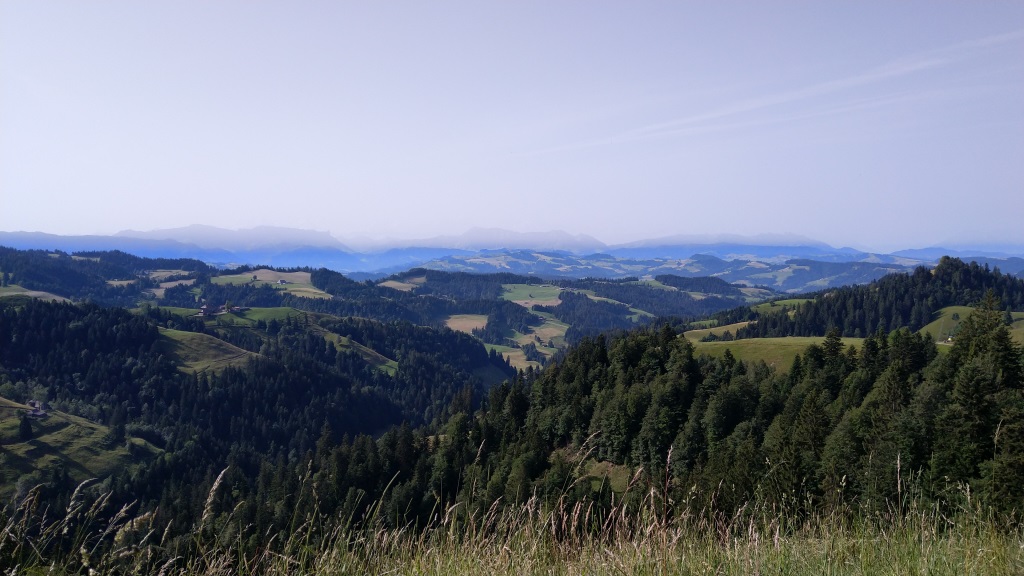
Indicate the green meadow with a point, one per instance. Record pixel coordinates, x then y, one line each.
59 442
297 283
201 352
777 352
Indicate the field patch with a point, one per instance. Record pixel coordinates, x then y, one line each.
183 312
201 352
76 443
466 322
515 356
552 330
529 294
946 322
400 286
616 476
160 275
787 305
1017 328
777 352
696 335
15 290
297 283
158 293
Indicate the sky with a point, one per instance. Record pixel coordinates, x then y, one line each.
873 124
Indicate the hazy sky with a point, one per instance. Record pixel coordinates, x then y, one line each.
879 125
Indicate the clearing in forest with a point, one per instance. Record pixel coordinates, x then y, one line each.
15 290
529 294
466 322
201 352
777 352
696 335
82 447
297 283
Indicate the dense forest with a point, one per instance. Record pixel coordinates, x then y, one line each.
892 302
843 428
109 366
87 275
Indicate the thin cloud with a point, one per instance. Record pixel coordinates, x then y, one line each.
899 68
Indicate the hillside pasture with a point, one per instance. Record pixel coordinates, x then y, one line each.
635 312
75 443
466 322
160 275
775 306
407 284
696 335
247 319
531 338
514 356
400 286
1017 328
553 330
529 294
200 352
158 293
183 312
752 294
943 325
601 472
777 352
296 283
656 284
15 290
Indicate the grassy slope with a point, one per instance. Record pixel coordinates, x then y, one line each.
529 294
466 322
75 441
780 305
209 352
15 290
1017 329
944 325
778 352
298 283
200 352
515 356
696 335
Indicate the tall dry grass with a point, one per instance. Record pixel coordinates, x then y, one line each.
908 537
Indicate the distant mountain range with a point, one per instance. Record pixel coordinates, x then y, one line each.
786 263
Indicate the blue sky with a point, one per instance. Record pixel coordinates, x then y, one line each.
879 125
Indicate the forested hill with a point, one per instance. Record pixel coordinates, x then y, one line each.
121 372
110 278
526 319
844 426
895 301
622 422
325 416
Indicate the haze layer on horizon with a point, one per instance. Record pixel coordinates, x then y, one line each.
875 125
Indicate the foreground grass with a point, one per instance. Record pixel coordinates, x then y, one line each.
530 539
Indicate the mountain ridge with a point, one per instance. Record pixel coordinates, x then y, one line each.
555 253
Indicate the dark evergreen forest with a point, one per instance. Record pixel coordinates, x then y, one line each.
890 303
